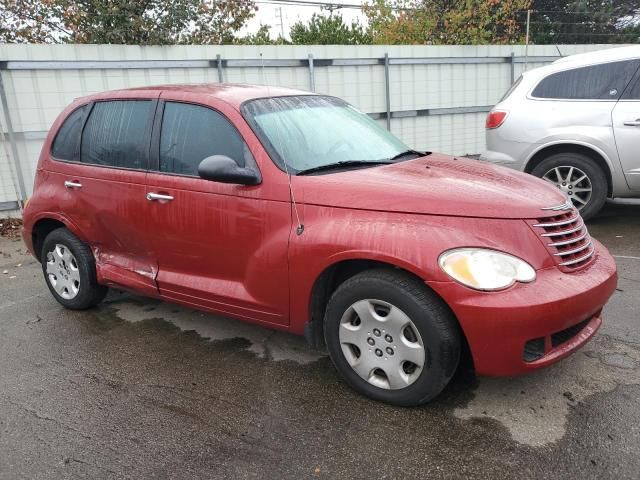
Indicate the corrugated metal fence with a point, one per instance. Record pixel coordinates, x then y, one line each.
433 97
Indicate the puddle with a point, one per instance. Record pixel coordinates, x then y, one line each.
263 342
534 408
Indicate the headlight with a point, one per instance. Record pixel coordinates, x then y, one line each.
484 269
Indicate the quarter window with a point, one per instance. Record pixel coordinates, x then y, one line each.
66 146
597 82
191 133
115 134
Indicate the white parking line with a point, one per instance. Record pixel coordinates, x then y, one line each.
626 256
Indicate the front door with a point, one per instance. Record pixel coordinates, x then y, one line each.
219 246
626 128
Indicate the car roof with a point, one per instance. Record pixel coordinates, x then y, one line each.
232 93
599 56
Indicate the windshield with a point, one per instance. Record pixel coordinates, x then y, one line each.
311 131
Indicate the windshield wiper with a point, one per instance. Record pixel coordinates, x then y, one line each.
409 152
343 163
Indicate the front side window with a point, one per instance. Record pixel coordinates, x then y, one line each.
191 133
66 145
597 82
115 134
307 132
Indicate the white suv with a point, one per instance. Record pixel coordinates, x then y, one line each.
574 123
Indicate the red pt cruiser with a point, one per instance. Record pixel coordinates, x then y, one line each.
297 212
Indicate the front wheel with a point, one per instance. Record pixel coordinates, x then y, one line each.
70 272
391 338
578 177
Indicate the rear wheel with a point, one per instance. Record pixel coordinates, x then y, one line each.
578 177
70 272
391 338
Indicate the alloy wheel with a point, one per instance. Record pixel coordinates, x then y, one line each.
62 272
573 182
381 344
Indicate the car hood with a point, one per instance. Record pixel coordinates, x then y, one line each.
435 184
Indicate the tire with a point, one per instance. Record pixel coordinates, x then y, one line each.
581 164
397 293
70 271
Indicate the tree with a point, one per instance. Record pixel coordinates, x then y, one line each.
328 29
584 21
445 21
144 22
261 37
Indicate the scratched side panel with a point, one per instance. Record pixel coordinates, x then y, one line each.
110 211
225 249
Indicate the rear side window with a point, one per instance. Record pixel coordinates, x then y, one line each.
66 145
191 133
633 92
115 134
597 82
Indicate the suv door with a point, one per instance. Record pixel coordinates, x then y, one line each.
100 165
219 246
626 127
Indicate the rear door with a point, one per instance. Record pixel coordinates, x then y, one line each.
626 127
101 187
219 246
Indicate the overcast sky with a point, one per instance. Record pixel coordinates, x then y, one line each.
269 14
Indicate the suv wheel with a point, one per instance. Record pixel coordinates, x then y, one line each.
70 271
578 177
391 338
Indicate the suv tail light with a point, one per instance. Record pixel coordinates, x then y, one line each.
495 118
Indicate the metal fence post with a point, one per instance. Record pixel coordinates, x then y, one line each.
12 141
513 68
219 65
387 90
312 77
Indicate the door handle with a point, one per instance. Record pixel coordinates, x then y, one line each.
70 184
633 123
158 196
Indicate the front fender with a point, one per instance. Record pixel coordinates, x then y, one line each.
408 241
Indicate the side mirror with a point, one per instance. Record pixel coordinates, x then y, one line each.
220 168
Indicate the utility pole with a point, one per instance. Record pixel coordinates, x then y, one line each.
281 22
526 41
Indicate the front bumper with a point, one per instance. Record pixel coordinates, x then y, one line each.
498 325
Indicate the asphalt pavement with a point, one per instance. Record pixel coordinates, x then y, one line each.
144 389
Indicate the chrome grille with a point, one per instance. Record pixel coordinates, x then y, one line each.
567 239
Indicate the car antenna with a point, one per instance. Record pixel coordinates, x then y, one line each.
300 227
558 49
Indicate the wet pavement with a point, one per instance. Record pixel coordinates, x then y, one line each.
142 389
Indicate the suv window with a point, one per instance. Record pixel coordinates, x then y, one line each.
66 145
115 134
597 82
633 92
191 133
